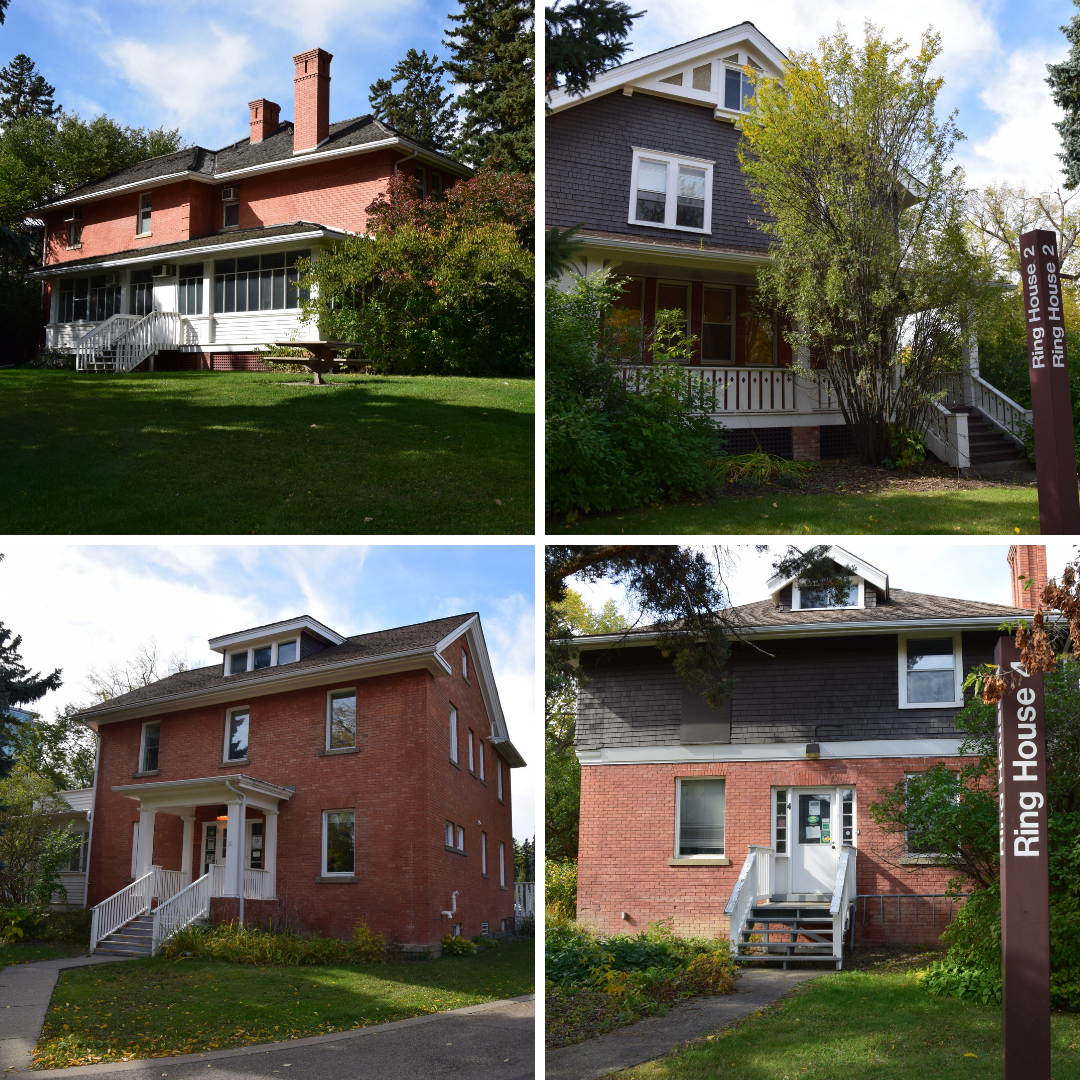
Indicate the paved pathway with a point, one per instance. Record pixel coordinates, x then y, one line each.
25 993
656 1035
493 1041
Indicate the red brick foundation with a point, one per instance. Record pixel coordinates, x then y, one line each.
176 360
806 443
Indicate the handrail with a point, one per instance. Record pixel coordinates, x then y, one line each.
157 330
1000 409
256 884
120 908
180 910
740 881
841 881
842 906
97 341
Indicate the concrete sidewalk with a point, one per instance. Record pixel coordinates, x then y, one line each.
493 1041
25 993
656 1035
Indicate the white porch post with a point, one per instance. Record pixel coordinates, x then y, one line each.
146 841
270 851
234 851
185 858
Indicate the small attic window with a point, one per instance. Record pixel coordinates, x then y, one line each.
703 77
675 80
805 599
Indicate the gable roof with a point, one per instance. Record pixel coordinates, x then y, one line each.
647 73
416 646
842 557
359 134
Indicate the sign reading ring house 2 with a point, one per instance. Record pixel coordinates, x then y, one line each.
1025 877
1051 400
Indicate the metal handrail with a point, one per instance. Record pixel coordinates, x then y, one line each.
180 910
97 341
120 908
882 897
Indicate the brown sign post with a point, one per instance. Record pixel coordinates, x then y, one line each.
1051 399
1025 877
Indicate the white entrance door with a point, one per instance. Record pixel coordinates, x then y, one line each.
814 841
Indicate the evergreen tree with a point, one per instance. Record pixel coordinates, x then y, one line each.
583 39
23 92
3 9
492 58
1065 83
421 111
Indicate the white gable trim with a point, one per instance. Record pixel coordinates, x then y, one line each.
843 557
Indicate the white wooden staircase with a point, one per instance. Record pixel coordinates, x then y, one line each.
123 342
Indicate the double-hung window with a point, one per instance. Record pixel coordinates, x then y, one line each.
341 719
339 842
236 735
499 773
716 325
453 735
699 828
502 864
931 672
148 752
671 191
464 664
472 754
483 853
191 289
421 182
455 836
480 757
144 214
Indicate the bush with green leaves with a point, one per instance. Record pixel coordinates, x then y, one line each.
906 448
613 444
54 359
560 886
17 923
458 946
757 468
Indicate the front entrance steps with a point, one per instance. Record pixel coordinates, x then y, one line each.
132 939
787 930
986 443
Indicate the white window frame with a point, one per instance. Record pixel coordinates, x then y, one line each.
453 736
499 770
671 202
146 200
464 665
958 669
908 853
229 713
860 602
678 818
142 747
722 95
472 751
483 853
326 837
329 713
502 864
459 837
249 653
448 835
480 754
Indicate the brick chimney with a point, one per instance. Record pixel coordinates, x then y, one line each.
1027 562
311 119
264 118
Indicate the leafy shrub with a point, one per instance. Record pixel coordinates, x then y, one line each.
71 927
560 887
954 978
16 923
484 941
906 448
54 358
458 946
757 468
710 973
367 945
526 927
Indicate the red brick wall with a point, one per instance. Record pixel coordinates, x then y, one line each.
1027 561
806 443
628 827
401 784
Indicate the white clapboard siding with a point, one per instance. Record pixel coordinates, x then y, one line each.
64 335
259 328
75 884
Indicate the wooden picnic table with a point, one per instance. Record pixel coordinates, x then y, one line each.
321 355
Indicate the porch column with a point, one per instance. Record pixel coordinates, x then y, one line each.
185 858
234 851
270 850
146 841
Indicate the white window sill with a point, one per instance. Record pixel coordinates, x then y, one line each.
74 247
932 704
336 879
730 115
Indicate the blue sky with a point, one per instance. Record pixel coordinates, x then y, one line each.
196 65
79 607
994 57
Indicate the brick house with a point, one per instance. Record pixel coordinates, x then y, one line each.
188 260
731 822
310 777
645 160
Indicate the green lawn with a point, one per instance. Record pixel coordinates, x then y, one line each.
154 1008
26 954
859 1025
999 510
200 452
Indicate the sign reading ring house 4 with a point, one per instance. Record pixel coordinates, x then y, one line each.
1025 878
1048 368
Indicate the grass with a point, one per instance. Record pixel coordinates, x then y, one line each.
157 1008
861 1025
200 452
27 954
977 510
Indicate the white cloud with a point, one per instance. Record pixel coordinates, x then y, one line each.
196 82
319 23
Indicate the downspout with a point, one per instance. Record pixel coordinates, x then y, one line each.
401 161
93 809
243 837
453 905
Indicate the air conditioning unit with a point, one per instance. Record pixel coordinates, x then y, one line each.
163 270
230 194
112 279
74 214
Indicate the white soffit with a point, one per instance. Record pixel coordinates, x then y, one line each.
648 73
831 752
272 631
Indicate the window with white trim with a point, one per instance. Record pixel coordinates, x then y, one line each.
460 838
340 719
671 191
259 282
464 664
339 842
739 90
931 671
480 755
260 656
919 846
502 864
230 211
499 771
472 755
806 598
449 840
148 752
191 289
143 228
236 735
141 293
483 853
699 817
453 735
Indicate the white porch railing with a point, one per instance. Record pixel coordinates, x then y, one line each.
524 898
947 436
180 910
843 900
167 883
755 883
158 330
1000 409
120 908
256 884
91 348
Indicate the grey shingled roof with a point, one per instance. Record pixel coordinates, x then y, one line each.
195 159
423 635
234 236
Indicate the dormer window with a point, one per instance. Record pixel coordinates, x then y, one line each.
805 598
739 91
263 656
